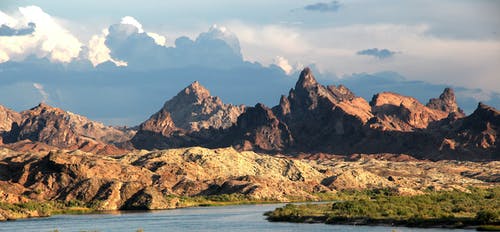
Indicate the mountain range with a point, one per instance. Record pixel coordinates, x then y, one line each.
313 118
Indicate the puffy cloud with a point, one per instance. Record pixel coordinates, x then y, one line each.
41 90
332 6
221 33
99 53
47 39
377 53
127 41
129 20
283 64
159 39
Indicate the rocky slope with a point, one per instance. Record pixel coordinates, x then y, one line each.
58 128
148 180
478 133
192 110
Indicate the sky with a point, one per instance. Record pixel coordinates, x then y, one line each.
88 56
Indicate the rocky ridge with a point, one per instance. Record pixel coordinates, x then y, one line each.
57 128
331 119
312 119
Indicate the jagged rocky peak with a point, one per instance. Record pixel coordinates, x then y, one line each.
306 79
194 109
7 117
446 102
195 92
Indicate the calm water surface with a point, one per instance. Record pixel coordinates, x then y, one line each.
226 218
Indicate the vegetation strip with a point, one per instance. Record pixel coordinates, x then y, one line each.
453 209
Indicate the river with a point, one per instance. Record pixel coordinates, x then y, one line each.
223 218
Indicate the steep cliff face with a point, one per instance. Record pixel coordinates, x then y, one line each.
7 117
58 128
259 129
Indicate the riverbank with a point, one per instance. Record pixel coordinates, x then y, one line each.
33 209
446 209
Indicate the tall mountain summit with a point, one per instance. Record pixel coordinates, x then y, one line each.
191 110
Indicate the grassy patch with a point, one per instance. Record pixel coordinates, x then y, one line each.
44 209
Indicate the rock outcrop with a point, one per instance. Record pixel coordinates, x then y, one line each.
58 128
7 117
446 102
402 113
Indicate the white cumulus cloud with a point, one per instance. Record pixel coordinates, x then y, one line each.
132 21
49 39
159 39
99 52
282 62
